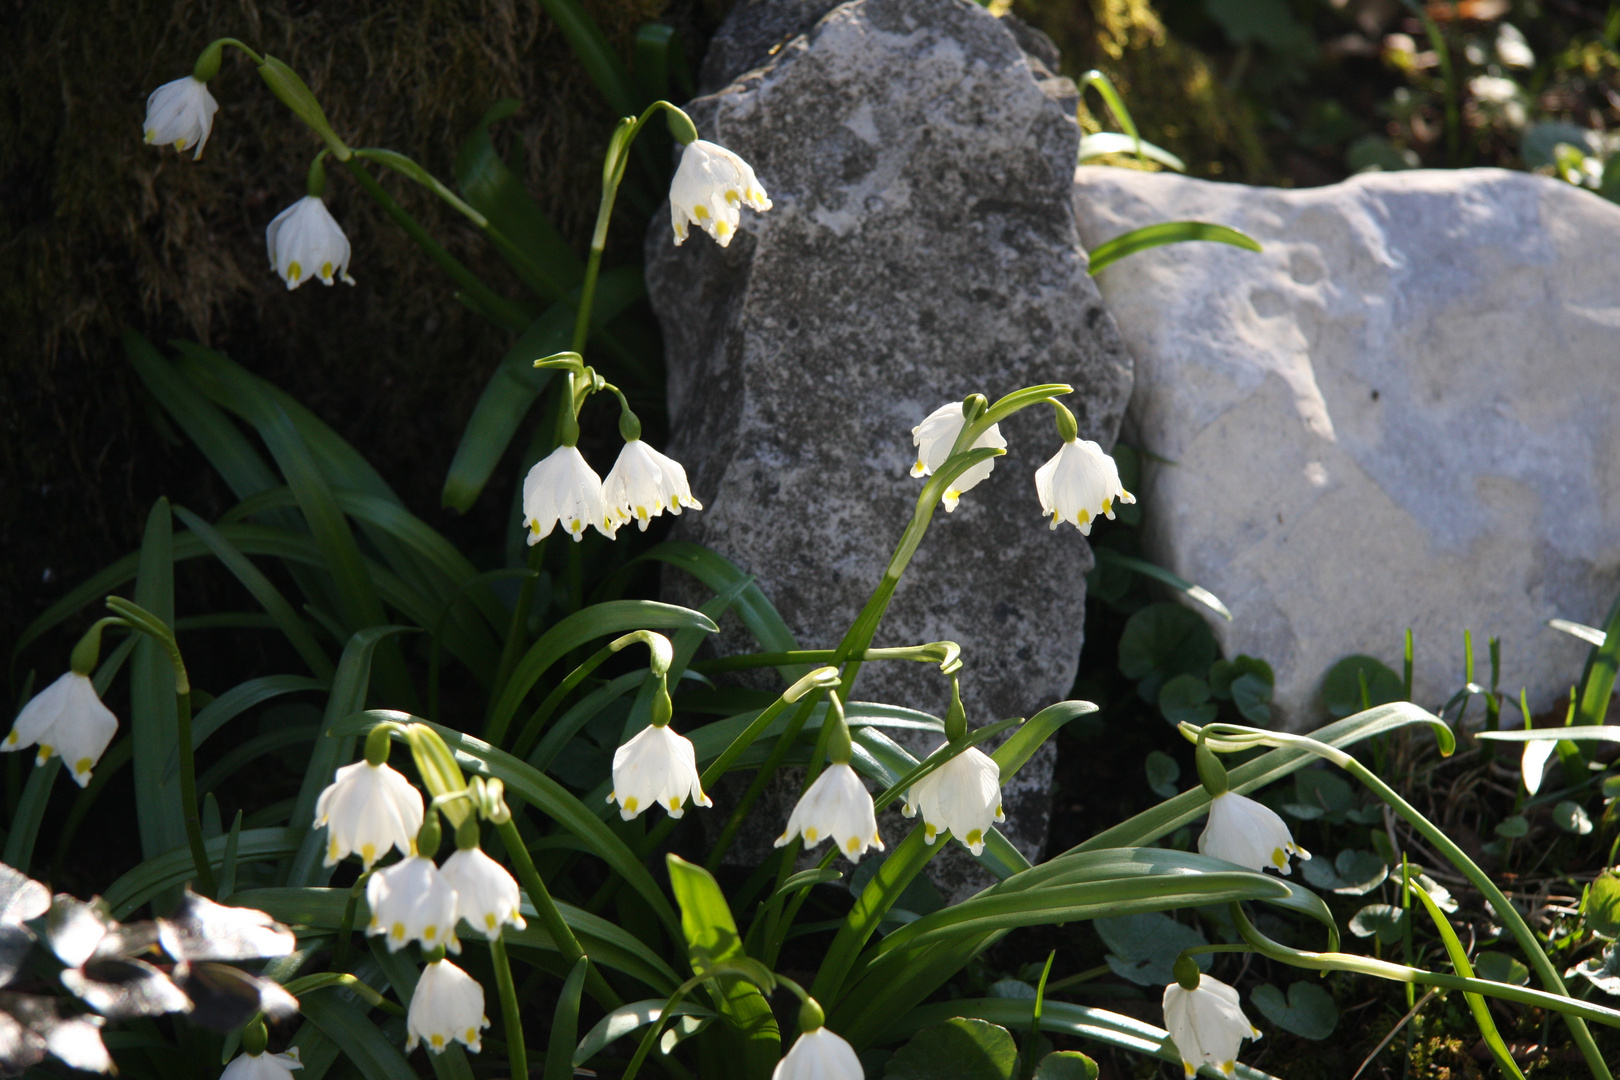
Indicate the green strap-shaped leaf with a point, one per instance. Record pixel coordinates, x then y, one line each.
152 703
1103 143
1476 1002
166 871
515 385
524 782
720 574
1172 814
607 944
400 970
551 268
601 63
1168 232
711 938
1597 683
226 449
363 1042
350 686
565 1024
1159 573
627 1018
234 702
296 630
587 624
1060 1017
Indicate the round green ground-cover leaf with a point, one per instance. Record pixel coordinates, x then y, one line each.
1162 641
1352 873
1603 905
1384 920
1185 700
1162 773
1308 1011
1144 947
1341 686
958 1049
1502 968
1066 1065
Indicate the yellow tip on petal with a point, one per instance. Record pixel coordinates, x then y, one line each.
83 766
368 853
700 212
674 804
721 228
854 843
1279 857
631 803
294 271
397 931
811 834
326 275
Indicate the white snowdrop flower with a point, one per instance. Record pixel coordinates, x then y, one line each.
819 1055
67 718
448 1006
643 484
1533 762
486 895
1207 1025
656 767
306 242
1244 832
563 489
934 438
180 114
837 806
962 795
368 809
263 1066
710 186
1512 49
412 901
1078 483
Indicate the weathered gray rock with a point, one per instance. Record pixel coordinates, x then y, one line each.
922 247
1404 412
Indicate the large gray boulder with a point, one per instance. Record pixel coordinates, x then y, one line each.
922 247
1404 413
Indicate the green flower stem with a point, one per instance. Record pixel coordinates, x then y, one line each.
618 157
517 629
1574 1009
349 982
482 298
207 65
762 777
138 618
929 653
1478 878
345 934
546 909
517 1057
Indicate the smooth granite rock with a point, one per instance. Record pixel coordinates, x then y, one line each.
1404 412
922 247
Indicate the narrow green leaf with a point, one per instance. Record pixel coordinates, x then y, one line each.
19 842
587 624
524 782
711 937
552 268
350 686
601 63
235 701
363 1042
720 574
166 871
1476 1003
1159 573
1598 684
1103 143
152 722
1169 232
627 1018
565 1024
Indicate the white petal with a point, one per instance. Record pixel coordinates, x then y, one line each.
819 1055
1533 762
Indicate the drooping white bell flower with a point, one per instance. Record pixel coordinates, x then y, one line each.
837 806
263 1066
1533 762
1207 1025
656 767
934 438
180 114
368 809
67 718
563 488
306 242
1247 833
1078 483
412 901
486 895
710 186
962 795
819 1055
643 484
448 1006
